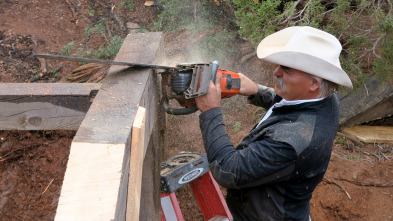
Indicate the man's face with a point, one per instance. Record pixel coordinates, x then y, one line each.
292 84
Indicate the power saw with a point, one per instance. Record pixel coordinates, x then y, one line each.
183 83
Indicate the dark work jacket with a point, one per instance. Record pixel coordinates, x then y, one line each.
272 173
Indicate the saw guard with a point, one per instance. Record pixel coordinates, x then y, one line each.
201 76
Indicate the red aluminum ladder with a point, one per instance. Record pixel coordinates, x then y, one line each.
191 168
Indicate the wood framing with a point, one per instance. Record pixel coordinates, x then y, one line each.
96 180
44 106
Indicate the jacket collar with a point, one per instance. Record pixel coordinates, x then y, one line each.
285 105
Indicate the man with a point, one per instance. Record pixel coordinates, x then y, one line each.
272 173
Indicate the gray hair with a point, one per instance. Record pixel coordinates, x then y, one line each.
326 88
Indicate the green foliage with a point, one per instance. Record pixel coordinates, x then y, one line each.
184 14
127 4
256 21
172 18
313 15
340 140
111 50
53 73
96 28
67 49
352 62
236 126
353 157
363 27
383 67
91 12
385 22
103 52
107 52
141 30
338 22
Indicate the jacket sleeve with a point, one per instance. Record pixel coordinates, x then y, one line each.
263 161
265 97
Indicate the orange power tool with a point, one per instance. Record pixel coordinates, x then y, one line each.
229 83
192 80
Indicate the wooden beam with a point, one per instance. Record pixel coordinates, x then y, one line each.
96 180
138 150
44 106
371 134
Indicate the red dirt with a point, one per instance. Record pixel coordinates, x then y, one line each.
358 184
32 164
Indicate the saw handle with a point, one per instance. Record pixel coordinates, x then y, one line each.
229 83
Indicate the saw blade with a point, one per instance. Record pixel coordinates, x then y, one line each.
90 60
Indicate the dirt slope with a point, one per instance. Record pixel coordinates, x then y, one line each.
358 184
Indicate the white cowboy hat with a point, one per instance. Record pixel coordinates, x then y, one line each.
306 49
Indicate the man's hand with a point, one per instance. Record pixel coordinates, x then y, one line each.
213 98
247 86
210 100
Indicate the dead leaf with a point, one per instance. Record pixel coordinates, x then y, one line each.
149 3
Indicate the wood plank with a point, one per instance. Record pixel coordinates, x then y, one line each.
44 106
138 150
150 205
107 125
371 134
120 92
371 102
92 195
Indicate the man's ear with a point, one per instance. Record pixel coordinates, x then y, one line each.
315 84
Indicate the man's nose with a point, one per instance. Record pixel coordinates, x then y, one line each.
278 72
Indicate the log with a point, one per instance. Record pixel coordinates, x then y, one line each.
371 102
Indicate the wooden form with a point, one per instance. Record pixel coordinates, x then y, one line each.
96 180
45 106
116 146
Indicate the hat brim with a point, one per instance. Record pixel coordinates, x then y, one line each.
311 65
